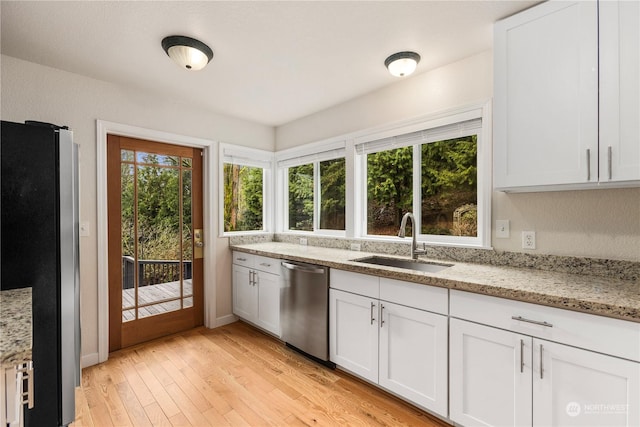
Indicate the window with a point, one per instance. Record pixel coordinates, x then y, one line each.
315 190
244 179
434 173
301 197
449 196
389 190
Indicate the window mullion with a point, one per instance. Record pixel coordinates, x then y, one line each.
316 196
417 188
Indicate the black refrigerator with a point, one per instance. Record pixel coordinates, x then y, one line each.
39 226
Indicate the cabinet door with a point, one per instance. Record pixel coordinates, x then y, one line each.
413 355
269 302
546 96
575 387
353 333
619 91
489 375
245 294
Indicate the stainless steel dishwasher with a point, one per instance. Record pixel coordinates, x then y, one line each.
304 309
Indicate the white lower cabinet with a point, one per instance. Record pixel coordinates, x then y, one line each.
256 291
400 348
575 387
489 385
500 377
413 355
245 294
269 286
353 333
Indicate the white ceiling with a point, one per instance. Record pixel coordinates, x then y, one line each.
273 61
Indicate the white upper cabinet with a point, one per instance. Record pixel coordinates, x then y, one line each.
547 84
619 91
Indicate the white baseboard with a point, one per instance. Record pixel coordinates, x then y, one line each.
89 360
225 320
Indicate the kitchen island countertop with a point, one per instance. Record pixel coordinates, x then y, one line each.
15 326
604 296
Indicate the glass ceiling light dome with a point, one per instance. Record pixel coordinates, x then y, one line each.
402 64
187 52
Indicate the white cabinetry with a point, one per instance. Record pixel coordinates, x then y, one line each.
547 114
413 355
619 90
353 333
389 342
16 390
256 290
524 376
487 380
575 387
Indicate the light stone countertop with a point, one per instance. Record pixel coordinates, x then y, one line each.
15 326
599 295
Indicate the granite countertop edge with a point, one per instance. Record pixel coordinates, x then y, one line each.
16 334
609 297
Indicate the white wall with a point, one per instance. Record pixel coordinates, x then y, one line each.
589 223
31 91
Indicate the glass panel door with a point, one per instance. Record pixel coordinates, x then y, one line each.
152 270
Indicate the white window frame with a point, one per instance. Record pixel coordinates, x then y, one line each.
484 190
313 153
252 157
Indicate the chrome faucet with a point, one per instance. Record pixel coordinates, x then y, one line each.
414 244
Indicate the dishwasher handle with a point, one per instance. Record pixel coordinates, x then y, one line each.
304 268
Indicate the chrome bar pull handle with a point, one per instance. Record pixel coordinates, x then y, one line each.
609 161
256 278
372 318
252 277
381 315
535 322
241 259
541 362
521 356
588 164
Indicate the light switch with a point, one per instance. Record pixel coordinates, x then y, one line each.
502 228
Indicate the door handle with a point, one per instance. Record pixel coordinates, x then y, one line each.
541 362
521 356
535 322
372 318
198 243
381 315
291 266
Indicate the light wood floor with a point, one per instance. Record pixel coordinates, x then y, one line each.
230 376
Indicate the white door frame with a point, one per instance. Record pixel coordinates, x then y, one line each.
209 160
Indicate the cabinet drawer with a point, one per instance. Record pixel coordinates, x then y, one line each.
602 334
356 283
241 258
268 265
422 297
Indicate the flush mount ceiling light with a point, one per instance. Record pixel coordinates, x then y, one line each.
402 64
187 52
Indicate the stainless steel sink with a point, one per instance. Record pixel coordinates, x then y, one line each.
429 267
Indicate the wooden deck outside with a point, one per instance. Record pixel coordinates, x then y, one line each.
155 293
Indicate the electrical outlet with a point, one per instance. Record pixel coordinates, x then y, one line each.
355 246
303 241
528 240
502 228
